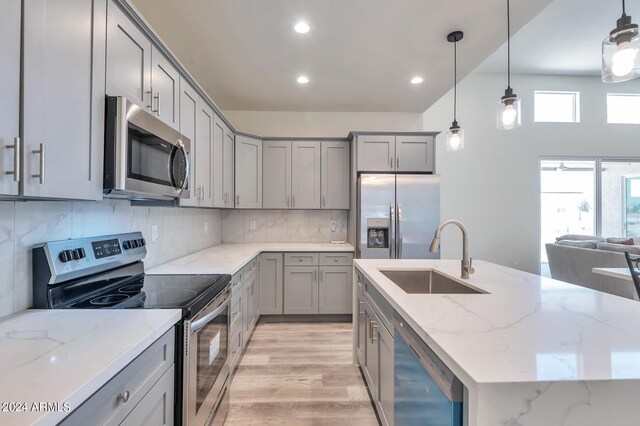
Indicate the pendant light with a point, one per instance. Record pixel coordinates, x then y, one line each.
620 58
509 105
455 135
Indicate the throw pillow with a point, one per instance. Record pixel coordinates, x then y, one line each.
618 248
617 240
579 237
580 244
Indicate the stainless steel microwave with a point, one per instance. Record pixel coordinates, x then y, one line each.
144 158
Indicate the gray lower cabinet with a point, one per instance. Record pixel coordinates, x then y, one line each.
301 290
141 393
10 96
385 375
271 284
370 366
361 328
335 290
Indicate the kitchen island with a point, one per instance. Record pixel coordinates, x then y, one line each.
530 350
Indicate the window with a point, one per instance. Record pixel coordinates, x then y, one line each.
623 108
556 107
621 199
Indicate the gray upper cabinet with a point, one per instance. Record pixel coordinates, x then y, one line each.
414 153
10 97
335 175
276 174
128 59
301 290
305 175
376 153
188 113
335 290
63 98
204 154
165 89
271 284
248 173
223 167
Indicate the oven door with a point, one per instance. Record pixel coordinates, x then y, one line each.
144 155
206 364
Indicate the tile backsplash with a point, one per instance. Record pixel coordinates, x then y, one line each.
278 226
23 224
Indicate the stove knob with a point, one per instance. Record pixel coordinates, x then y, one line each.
126 245
134 244
75 254
142 242
63 256
82 253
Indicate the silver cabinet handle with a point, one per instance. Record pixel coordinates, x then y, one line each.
287 201
391 223
399 231
157 99
315 275
374 336
397 162
324 202
124 397
16 159
40 175
321 275
391 162
359 311
150 93
237 199
293 201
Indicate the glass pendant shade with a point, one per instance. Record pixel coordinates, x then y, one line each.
508 114
621 55
455 138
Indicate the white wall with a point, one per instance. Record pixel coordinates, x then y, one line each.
321 124
493 185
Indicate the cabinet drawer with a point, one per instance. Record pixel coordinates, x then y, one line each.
250 267
235 347
300 259
236 282
137 378
336 259
235 314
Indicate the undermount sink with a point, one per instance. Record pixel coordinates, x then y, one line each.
427 282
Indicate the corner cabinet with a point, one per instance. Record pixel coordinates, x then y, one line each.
223 167
276 174
10 97
63 98
305 175
396 153
248 172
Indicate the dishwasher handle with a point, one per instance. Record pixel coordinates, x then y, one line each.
448 383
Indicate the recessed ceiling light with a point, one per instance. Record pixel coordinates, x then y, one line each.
416 80
303 79
301 27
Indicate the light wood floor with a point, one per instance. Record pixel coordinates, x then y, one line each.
299 374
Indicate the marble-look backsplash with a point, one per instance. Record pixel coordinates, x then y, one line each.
278 226
23 224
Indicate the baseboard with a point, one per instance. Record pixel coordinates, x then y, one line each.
305 318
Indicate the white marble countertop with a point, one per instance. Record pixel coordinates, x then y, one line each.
229 258
64 356
527 329
622 273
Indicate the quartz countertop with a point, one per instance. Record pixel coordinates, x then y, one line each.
533 350
229 258
66 355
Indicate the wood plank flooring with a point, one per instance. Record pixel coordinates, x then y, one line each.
299 374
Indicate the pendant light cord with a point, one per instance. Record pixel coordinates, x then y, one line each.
509 45
623 9
455 79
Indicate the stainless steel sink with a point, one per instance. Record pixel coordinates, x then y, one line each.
427 282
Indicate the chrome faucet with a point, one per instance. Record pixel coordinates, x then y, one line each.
466 268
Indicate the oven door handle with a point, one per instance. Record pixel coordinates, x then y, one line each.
187 173
198 324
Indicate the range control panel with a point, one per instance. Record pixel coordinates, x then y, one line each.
68 259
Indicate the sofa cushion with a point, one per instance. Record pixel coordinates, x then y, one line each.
618 240
581 244
578 237
620 248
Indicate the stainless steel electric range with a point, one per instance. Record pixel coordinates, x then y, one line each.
108 273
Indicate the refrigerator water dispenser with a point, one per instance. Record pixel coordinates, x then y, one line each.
377 233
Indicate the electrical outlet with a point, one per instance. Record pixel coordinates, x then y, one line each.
252 225
154 232
333 225
206 227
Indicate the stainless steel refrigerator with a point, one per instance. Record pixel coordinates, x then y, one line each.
397 215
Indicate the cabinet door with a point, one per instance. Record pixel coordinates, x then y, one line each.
165 84
362 327
414 153
228 167
301 290
276 174
188 113
61 126
248 171
246 317
370 367
335 175
10 96
335 290
253 301
219 130
305 175
204 155
385 375
376 153
271 284
156 408
128 59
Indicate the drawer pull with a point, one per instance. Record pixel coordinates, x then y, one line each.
335 259
124 397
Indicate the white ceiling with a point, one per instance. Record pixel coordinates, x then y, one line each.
360 54
564 39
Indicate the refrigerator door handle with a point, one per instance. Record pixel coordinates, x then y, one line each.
399 232
391 233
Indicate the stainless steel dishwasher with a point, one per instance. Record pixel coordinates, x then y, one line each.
426 392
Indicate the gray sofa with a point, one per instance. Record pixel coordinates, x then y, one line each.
572 261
